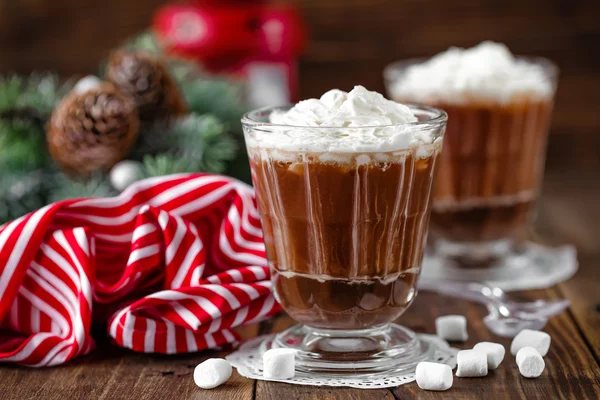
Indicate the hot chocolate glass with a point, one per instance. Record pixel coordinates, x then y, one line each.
344 203
499 109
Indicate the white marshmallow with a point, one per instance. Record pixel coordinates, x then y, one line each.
471 363
452 328
279 364
530 362
433 376
537 339
212 373
494 352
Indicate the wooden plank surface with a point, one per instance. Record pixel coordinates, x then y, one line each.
112 373
569 213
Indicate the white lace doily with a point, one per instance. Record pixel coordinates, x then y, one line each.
248 362
538 267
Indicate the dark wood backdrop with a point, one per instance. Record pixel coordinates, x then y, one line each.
351 40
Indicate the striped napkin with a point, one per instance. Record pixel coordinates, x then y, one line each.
171 265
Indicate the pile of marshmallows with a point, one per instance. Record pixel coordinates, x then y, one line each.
277 364
528 346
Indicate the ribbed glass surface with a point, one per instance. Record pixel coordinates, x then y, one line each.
345 238
490 170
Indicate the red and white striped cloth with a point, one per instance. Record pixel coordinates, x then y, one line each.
172 264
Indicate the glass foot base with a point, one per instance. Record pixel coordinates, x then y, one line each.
523 267
386 348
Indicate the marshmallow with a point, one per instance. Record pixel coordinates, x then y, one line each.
494 352
279 364
212 373
537 339
471 363
452 328
433 376
530 362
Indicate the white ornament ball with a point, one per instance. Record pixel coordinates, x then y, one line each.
124 173
87 83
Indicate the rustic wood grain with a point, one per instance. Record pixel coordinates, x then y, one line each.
570 214
112 373
583 292
571 370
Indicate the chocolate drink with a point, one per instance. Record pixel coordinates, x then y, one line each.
490 170
499 108
344 233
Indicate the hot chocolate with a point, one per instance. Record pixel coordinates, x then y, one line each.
343 186
499 110
492 164
345 238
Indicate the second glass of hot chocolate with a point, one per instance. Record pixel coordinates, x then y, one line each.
343 186
499 109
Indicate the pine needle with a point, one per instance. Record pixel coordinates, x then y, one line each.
20 193
64 187
199 141
22 146
164 164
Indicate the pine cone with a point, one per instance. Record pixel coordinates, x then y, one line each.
93 130
149 82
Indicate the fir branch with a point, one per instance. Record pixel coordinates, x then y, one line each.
199 140
165 164
63 187
22 146
145 41
23 115
20 193
30 98
215 96
42 92
10 90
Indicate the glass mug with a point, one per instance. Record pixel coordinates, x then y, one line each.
490 170
344 235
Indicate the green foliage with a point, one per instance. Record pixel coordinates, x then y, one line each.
207 140
215 96
11 88
145 41
165 164
37 93
22 146
199 142
63 187
20 193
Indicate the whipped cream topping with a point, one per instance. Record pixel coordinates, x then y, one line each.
486 72
342 122
336 108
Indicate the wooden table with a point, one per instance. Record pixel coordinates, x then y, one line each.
570 212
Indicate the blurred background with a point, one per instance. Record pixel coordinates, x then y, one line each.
278 51
350 40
